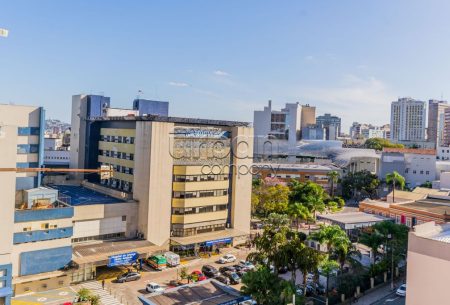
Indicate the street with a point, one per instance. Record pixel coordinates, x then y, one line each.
391 299
128 293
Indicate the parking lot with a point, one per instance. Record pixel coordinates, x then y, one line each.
128 292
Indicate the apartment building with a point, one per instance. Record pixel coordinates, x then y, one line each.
436 120
188 175
331 124
428 264
408 120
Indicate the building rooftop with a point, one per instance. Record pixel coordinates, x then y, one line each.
410 151
208 292
169 119
353 218
428 205
79 195
431 230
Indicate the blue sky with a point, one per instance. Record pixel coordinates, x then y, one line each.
223 59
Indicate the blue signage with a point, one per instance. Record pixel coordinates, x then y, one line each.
218 241
122 259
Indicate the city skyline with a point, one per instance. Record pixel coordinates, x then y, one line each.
227 56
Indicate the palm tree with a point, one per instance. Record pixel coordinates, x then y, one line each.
308 261
333 178
328 267
315 204
395 178
298 211
332 236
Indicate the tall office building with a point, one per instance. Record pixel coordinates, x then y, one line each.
282 126
408 118
436 118
332 125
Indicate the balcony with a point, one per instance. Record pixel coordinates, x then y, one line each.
199 217
41 235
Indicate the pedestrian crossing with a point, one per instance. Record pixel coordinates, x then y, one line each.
105 297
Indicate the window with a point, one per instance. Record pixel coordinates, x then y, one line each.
421 172
414 171
397 219
27 229
45 225
124 218
427 172
3 273
408 222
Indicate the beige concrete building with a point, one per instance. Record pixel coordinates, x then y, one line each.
188 176
428 267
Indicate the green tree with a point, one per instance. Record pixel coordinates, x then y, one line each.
363 182
273 239
379 144
268 199
328 267
298 211
333 178
266 288
307 261
394 179
333 237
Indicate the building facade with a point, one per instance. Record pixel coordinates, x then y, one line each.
436 119
331 124
21 146
408 120
428 264
416 165
191 180
281 128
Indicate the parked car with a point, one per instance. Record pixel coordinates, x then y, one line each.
238 267
127 277
175 283
210 271
247 265
153 287
223 279
234 277
315 288
241 272
198 276
401 291
226 269
228 258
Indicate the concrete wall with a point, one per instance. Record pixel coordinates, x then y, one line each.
98 212
153 179
428 270
241 183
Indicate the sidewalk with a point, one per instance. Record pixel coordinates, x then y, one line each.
375 295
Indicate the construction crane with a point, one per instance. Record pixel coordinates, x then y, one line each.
105 171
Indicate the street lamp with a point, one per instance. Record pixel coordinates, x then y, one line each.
390 237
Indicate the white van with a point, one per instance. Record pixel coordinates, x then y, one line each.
173 259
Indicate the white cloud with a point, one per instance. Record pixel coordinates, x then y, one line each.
178 84
353 99
221 73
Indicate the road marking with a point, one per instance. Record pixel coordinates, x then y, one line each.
391 300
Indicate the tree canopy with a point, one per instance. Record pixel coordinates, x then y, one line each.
379 144
360 183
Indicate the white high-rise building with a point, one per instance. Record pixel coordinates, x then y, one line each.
282 127
408 119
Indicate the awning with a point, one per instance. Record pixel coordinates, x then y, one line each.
99 253
208 237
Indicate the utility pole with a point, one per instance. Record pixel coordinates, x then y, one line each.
391 237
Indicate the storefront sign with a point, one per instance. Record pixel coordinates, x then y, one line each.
122 259
218 241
